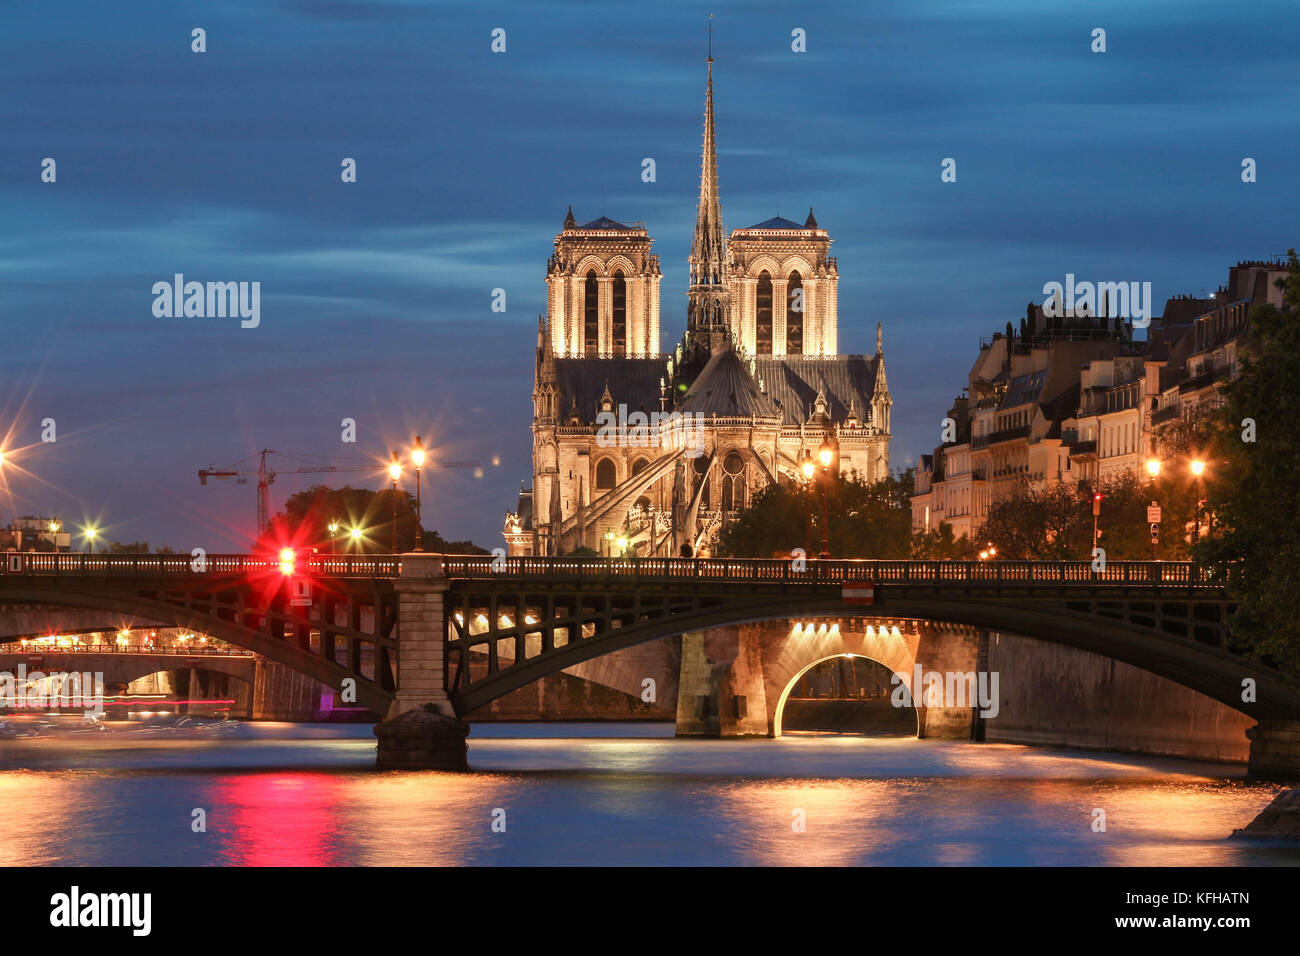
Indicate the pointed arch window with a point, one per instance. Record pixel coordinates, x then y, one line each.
733 482
591 315
606 477
763 314
794 311
620 314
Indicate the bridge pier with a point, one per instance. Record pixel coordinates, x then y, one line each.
421 730
1275 750
721 691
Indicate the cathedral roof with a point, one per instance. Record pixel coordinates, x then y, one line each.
793 381
779 222
726 388
604 222
633 382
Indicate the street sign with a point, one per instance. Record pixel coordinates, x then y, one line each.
300 596
1155 531
1153 513
858 594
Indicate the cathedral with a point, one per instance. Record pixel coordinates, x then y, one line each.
637 452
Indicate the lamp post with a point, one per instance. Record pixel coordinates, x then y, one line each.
826 454
1153 469
355 534
334 536
394 472
417 457
808 469
1198 469
1096 518
90 538
609 544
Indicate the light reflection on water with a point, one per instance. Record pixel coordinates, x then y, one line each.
284 794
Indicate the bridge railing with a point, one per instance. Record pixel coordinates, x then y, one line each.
183 565
757 570
14 647
815 571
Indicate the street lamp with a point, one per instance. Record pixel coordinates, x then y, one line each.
89 534
1153 469
1096 516
1198 469
825 455
417 456
355 534
809 469
394 472
622 546
334 533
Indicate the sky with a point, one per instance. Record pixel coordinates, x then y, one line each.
376 296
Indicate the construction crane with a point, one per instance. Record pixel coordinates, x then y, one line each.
266 475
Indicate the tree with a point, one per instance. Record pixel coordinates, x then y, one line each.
1056 523
307 515
1252 493
867 519
942 545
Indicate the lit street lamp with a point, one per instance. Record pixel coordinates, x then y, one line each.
89 534
334 533
417 456
808 469
1153 512
394 472
1198 469
826 454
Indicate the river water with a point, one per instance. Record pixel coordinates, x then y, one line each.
295 794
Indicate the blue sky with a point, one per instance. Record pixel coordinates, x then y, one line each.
376 295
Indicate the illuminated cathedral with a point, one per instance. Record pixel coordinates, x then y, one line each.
753 388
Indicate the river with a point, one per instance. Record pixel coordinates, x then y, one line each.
306 794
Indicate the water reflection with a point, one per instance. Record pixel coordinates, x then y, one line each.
297 795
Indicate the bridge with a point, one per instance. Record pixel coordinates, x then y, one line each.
458 631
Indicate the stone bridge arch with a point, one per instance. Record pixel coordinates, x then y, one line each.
230 612
1129 632
829 641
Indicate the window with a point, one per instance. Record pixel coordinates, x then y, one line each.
605 474
620 314
640 465
794 310
733 482
763 314
591 315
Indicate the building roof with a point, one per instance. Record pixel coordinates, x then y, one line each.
633 382
604 222
793 381
778 222
726 389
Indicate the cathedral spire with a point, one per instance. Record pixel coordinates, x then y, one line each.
708 306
